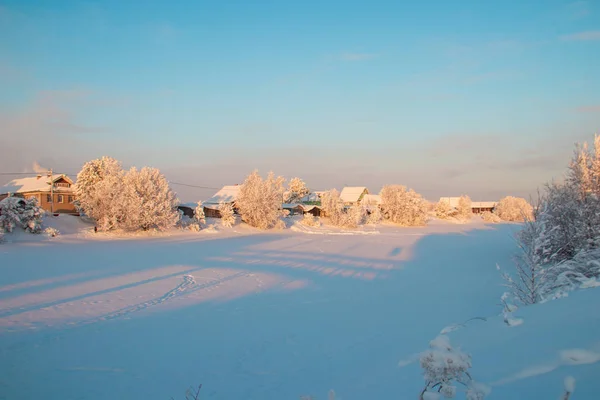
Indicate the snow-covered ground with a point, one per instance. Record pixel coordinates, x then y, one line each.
276 314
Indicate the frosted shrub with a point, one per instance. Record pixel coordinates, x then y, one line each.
357 215
514 209
490 217
16 212
296 191
464 210
51 232
100 192
443 210
374 217
333 207
444 367
199 214
227 214
125 200
403 206
259 201
310 220
149 201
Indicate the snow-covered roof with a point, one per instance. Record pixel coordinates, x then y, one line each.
228 194
483 204
371 199
351 194
34 184
189 205
307 207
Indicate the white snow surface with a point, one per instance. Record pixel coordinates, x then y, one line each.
277 314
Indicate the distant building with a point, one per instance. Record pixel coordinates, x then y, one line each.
53 195
477 207
353 195
227 195
188 209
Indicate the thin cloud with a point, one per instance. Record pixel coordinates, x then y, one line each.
581 36
358 56
589 109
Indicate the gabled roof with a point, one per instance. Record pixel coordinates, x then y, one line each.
34 184
371 199
228 194
351 194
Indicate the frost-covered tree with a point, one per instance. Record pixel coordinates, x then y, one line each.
296 191
490 217
150 203
310 220
199 214
374 215
443 210
514 209
444 368
403 206
259 200
357 215
464 210
100 192
227 214
333 207
17 212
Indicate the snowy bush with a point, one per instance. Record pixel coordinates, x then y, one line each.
464 210
227 214
259 201
296 191
51 232
403 206
100 192
514 209
17 212
310 220
199 214
490 217
443 210
357 215
374 216
125 200
333 207
444 367
149 201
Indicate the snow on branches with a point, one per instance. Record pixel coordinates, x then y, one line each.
443 368
403 206
259 201
227 214
17 212
129 200
296 191
514 209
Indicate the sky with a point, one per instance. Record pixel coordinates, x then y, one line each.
446 97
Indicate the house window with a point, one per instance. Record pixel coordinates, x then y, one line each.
62 184
70 199
48 198
61 198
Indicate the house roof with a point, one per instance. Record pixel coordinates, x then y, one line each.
371 199
351 194
291 205
228 194
34 184
483 204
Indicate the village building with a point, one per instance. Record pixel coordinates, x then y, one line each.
293 208
227 195
188 209
53 194
477 207
352 195
314 210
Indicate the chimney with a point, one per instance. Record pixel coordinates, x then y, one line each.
39 176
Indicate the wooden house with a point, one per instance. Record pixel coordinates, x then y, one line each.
54 194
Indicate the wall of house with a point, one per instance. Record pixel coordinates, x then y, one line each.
66 207
210 213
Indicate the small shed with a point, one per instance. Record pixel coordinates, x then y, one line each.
315 211
482 206
188 209
227 195
293 208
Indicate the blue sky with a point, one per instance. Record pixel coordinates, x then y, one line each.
446 97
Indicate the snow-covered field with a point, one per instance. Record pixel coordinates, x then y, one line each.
277 314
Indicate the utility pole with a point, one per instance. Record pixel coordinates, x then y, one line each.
51 191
